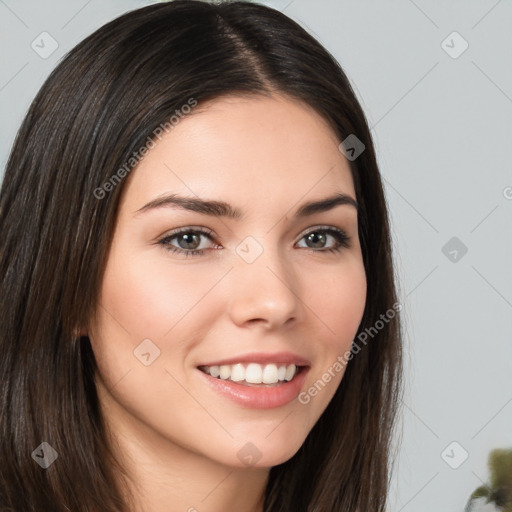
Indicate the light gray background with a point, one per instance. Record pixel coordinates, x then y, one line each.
442 129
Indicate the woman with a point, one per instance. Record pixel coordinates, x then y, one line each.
199 309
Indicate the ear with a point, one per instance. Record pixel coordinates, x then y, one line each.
79 332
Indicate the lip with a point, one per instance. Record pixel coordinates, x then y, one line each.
256 397
262 358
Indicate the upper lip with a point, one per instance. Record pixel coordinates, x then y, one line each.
261 358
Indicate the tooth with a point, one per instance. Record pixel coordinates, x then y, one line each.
270 374
290 372
253 373
237 372
225 371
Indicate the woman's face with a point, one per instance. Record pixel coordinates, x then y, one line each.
192 286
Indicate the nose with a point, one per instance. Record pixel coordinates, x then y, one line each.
264 292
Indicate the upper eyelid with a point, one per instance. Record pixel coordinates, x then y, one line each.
178 231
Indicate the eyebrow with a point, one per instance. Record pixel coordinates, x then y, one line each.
223 209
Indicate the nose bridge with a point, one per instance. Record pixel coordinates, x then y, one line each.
265 288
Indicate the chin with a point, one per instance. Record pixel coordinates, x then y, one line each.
264 453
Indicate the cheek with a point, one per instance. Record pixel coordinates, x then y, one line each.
339 306
149 296
339 303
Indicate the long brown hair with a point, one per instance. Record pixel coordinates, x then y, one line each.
96 109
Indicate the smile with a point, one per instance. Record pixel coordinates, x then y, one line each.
253 373
269 388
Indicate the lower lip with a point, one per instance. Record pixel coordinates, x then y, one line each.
256 397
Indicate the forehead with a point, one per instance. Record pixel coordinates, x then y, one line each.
244 150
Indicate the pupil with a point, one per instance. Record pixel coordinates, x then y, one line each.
318 237
189 239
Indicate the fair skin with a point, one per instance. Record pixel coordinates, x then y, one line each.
178 437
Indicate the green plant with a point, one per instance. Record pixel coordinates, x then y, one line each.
499 489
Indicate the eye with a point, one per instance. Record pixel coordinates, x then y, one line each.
319 239
188 241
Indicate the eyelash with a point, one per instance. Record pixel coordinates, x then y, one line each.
342 239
